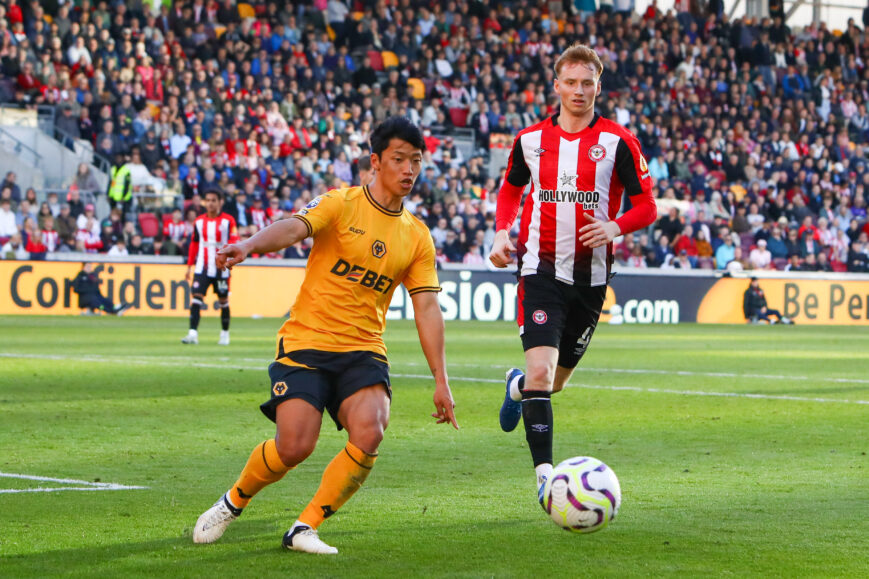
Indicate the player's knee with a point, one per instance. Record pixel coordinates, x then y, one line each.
539 378
294 451
368 436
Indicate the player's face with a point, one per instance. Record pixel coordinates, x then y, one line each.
212 204
578 85
398 167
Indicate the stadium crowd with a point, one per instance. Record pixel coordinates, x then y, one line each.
755 134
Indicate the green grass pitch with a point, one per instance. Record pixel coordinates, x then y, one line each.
770 480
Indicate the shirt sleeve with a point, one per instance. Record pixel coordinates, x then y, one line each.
320 212
422 275
194 247
633 172
515 180
233 229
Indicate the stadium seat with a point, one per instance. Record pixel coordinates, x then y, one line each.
417 88
246 11
706 263
746 241
149 225
390 59
358 15
459 116
166 218
779 262
376 60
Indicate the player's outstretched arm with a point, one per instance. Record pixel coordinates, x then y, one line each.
430 326
279 235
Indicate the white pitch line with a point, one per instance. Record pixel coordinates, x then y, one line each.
183 361
666 391
158 362
90 486
58 489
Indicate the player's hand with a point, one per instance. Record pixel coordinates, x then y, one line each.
502 250
188 277
230 255
444 406
598 233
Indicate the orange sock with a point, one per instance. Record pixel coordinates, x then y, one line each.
263 468
343 477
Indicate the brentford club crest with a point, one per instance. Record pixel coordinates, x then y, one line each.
539 317
597 153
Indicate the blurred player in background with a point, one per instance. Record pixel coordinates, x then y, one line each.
366 172
330 353
579 164
211 231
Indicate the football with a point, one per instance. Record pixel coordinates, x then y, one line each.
582 495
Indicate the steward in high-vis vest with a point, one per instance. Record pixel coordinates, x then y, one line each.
120 186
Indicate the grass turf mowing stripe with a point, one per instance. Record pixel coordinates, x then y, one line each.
749 395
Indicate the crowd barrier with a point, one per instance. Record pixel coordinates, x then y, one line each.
267 288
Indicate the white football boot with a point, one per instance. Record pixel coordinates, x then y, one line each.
192 337
212 523
224 338
303 538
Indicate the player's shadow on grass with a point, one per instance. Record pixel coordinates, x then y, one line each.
170 556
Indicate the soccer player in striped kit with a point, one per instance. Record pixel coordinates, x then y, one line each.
579 165
211 231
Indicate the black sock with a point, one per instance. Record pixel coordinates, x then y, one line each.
224 317
537 415
194 315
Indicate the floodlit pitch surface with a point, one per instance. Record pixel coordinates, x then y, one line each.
741 451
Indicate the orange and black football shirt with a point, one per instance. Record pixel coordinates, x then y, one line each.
362 252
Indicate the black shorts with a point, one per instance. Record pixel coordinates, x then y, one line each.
329 379
201 283
557 314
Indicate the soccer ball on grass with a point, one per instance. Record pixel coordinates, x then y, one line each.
582 495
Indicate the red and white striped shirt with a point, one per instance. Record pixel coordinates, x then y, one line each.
175 231
259 218
51 239
209 235
572 174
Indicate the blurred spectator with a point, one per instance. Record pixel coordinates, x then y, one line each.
725 253
10 182
14 248
755 308
858 258
8 225
760 257
87 285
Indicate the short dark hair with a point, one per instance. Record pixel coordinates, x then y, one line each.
364 163
213 191
396 128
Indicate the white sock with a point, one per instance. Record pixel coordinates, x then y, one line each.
224 332
544 471
193 333
515 394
